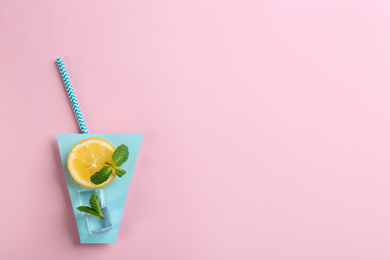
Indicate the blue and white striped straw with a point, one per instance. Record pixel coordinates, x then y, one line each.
72 96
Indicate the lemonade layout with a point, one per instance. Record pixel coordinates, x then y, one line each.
91 164
98 169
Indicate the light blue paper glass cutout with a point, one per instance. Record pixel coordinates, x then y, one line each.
115 192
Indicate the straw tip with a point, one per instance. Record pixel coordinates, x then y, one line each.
59 59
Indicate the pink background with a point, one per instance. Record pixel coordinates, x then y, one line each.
267 126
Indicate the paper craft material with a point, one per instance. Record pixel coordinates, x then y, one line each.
114 193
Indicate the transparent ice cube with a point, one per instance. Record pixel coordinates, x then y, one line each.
96 225
84 196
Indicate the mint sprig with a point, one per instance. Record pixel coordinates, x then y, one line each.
94 210
120 155
118 171
94 202
101 176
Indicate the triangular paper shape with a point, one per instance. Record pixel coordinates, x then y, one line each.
114 193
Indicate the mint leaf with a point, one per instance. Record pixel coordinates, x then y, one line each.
94 210
101 176
94 202
119 172
120 155
89 211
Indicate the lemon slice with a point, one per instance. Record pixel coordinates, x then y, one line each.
88 157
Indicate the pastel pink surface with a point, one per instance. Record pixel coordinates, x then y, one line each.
267 126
